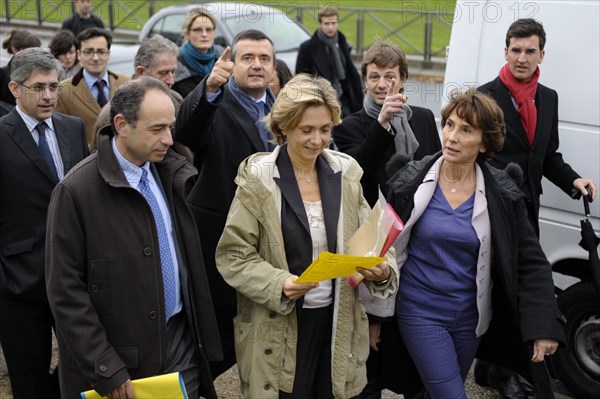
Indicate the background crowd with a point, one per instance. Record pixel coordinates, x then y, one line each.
217 175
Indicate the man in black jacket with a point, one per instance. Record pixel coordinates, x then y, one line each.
83 18
531 119
38 146
385 125
327 54
234 91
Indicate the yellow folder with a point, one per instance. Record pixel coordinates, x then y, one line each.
329 266
166 386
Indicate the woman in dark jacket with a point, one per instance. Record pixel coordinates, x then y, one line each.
199 53
473 277
64 47
17 40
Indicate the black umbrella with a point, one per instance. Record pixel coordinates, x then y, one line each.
590 242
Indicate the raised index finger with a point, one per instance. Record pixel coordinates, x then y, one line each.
392 89
225 55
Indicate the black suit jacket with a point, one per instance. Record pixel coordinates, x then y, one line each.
542 157
363 138
221 135
25 188
314 58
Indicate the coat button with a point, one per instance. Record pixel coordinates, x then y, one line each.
152 314
267 386
95 288
272 314
147 251
103 368
268 351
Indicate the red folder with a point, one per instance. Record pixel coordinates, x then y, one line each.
389 227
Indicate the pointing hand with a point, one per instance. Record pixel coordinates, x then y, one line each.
220 73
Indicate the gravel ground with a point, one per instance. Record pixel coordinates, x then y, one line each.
227 386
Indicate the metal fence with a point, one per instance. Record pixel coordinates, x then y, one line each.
432 26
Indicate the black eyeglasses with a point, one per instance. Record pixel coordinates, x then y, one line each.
40 87
89 52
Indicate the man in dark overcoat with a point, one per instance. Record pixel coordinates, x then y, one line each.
532 141
124 270
238 94
327 54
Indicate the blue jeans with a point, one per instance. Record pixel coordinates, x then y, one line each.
441 343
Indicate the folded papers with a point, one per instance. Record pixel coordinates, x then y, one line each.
166 386
375 236
329 266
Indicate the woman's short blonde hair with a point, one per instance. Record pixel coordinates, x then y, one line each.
195 13
301 92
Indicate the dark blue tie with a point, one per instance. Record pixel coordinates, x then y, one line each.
45 149
264 134
168 268
101 96
261 108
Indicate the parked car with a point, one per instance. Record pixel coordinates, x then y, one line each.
232 18
121 58
475 57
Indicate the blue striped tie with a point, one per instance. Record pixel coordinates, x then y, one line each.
168 272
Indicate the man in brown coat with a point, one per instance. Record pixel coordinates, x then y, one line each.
89 90
125 276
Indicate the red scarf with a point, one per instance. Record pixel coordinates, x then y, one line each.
524 95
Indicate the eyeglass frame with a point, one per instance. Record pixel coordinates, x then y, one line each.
42 87
90 52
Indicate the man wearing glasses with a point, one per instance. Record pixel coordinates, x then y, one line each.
37 148
89 90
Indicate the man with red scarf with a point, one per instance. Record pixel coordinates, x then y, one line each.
531 119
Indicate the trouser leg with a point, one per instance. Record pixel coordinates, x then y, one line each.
26 338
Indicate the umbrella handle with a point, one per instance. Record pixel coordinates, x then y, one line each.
586 206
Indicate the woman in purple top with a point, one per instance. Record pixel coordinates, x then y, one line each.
473 278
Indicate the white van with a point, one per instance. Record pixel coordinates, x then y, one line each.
571 67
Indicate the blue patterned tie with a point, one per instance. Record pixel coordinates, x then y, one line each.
264 134
45 149
166 260
261 108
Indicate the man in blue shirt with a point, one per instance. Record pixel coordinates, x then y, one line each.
126 280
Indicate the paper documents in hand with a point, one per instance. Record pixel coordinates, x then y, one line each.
329 266
375 236
166 386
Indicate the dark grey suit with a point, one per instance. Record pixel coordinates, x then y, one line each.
25 188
